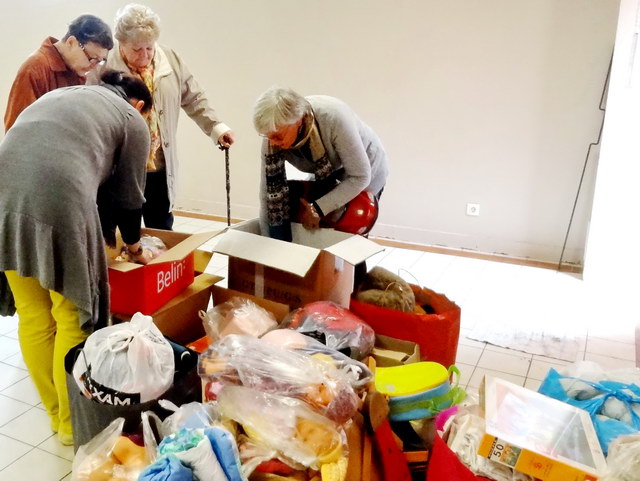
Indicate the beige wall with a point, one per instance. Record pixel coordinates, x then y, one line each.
491 102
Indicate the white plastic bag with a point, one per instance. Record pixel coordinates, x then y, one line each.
125 364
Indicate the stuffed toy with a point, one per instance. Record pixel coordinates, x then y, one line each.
385 289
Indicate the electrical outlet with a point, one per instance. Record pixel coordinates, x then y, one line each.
473 209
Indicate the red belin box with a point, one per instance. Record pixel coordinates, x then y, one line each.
138 288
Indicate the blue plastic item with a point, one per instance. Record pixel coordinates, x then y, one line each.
606 429
427 403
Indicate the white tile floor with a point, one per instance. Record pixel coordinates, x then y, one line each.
28 450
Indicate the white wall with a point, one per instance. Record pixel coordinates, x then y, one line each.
491 102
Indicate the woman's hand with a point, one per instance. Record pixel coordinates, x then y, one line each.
309 216
140 255
144 258
226 139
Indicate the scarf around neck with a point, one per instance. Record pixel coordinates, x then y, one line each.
147 75
278 210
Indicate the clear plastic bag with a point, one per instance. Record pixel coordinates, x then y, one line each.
284 424
109 455
361 374
612 398
334 326
257 364
237 316
191 416
153 244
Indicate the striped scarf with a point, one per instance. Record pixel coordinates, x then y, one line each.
276 178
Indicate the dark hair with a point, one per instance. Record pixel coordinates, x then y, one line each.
88 28
132 86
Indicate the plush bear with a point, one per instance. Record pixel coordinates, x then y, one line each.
385 289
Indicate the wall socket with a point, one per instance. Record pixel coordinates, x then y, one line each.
473 209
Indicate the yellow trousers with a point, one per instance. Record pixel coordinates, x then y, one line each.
48 327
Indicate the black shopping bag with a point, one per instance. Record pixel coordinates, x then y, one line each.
89 417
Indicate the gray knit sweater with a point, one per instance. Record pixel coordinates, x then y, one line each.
350 144
52 161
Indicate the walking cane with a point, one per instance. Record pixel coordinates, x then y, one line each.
228 183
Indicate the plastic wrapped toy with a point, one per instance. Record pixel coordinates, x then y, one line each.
334 326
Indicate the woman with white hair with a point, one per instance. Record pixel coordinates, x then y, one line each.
319 135
137 29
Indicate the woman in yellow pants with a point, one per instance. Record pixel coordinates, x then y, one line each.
66 146
47 329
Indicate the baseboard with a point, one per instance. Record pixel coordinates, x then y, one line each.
576 269
200 215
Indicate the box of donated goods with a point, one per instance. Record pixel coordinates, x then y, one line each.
317 266
179 319
537 435
389 351
220 295
146 288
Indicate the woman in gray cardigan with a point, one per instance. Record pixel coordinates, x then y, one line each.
320 135
60 151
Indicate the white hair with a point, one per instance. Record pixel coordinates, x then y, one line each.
278 107
135 23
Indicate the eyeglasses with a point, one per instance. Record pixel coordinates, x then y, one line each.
274 136
280 133
92 60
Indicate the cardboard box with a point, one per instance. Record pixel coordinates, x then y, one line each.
316 266
179 318
538 435
138 288
389 351
220 295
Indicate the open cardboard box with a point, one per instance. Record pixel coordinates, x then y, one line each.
146 288
179 318
317 266
389 351
220 295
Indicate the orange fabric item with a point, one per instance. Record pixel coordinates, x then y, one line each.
436 334
200 345
43 71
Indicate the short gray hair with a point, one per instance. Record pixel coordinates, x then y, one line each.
136 23
277 107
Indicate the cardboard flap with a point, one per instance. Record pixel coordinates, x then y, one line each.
286 256
182 250
122 266
200 283
222 294
201 260
318 238
252 226
355 249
